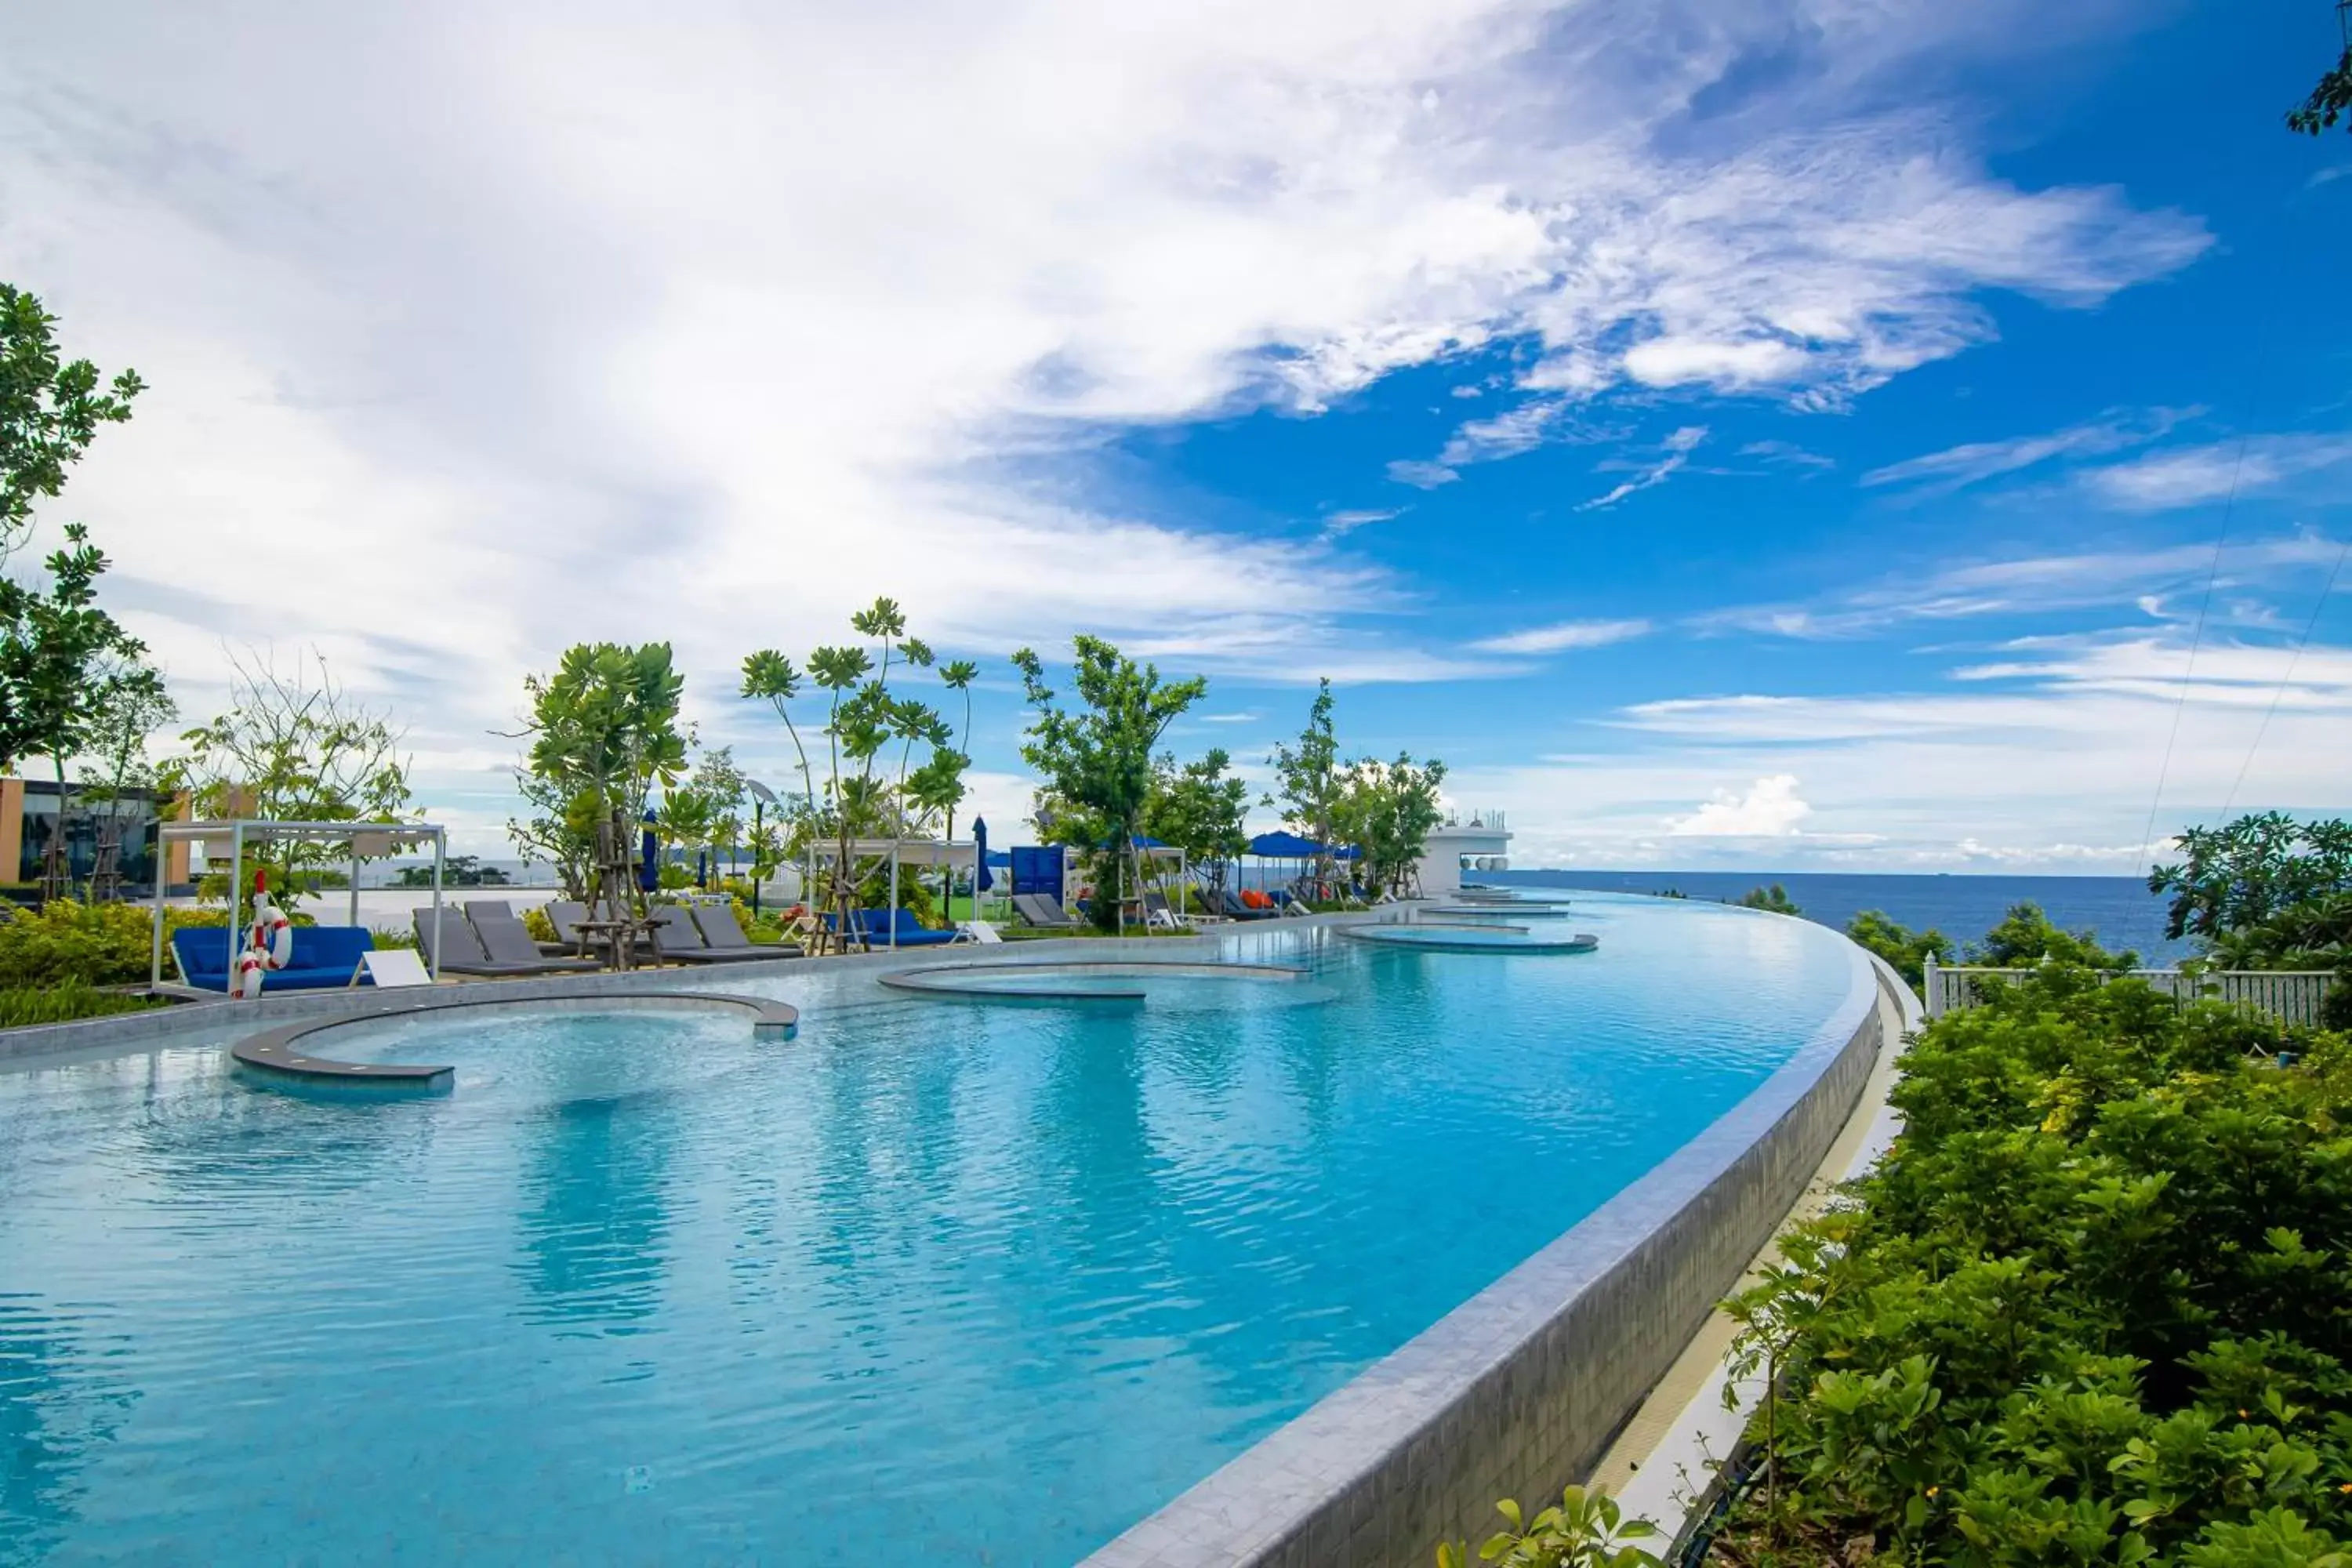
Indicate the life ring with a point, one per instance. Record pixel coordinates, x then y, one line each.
268 941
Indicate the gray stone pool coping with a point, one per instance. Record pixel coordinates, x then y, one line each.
1582 941
291 1050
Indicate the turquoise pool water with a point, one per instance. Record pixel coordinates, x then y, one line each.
937 1281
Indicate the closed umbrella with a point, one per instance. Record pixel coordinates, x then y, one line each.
648 861
981 878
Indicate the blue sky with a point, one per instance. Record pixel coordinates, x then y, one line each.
1778 436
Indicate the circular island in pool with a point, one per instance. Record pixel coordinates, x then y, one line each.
942 1284
1467 936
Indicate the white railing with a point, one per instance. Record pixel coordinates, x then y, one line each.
2290 995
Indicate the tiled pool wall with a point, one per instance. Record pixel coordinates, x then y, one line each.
1518 1392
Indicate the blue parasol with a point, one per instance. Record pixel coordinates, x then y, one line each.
981 878
649 859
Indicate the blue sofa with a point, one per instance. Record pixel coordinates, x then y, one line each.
875 924
323 959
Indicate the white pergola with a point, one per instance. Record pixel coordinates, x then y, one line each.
955 854
369 841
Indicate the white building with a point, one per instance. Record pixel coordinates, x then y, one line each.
1469 843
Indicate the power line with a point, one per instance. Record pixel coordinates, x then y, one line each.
2301 643
2196 641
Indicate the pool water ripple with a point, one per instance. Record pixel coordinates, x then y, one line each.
935 1281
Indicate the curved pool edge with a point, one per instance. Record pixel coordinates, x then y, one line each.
281 1052
1519 1390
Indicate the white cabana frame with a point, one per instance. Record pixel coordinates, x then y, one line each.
368 840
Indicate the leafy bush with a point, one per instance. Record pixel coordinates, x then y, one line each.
1583 1532
2026 936
94 944
541 929
1774 899
21 1005
1905 950
2093 1308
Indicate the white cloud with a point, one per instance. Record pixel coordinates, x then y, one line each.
1769 809
533 322
1339 524
2194 475
1976 461
1677 446
1788 454
1562 636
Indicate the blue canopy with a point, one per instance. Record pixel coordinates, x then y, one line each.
1291 847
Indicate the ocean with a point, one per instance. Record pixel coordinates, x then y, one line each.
2119 910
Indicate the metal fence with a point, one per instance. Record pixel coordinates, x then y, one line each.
2290 995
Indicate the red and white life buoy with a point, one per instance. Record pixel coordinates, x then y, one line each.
268 941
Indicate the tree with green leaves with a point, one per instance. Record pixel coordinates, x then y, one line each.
604 732
1096 760
128 703
50 411
1905 950
1774 899
2331 100
1310 783
1386 810
958 676
53 644
1201 809
863 795
293 748
2026 936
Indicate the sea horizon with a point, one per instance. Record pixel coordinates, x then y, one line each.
2119 910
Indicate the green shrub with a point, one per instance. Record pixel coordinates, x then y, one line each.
2093 1307
62 1003
536 921
94 944
1583 1531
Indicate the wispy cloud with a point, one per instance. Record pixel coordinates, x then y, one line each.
1678 448
2195 476
1504 434
1339 524
1957 467
1562 636
2030 584
1786 454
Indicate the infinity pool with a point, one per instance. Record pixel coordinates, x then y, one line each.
936 1281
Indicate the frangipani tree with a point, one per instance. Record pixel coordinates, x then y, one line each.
866 792
605 731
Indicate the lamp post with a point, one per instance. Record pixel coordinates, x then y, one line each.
763 797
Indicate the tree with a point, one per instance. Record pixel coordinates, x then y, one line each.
1907 951
292 750
1201 809
458 871
53 644
2248 871
2331 100
2026 936
604 732
1775 899
1097 762
717 776
50 411
128 703
1386 810
862 718
1310 785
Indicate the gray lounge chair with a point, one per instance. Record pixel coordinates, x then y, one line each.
458 950
682 940
722 936
1219 901
508 940
1045 913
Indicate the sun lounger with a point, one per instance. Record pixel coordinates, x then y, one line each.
461 951
983 932
1045 913
1222 902
508 940
724 936
682 940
